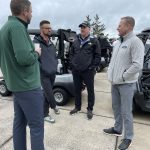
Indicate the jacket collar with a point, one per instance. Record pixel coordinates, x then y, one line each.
23 22
127 36
41 40
85 39
20 20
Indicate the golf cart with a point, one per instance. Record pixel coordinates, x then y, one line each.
63 87
142 94
3 88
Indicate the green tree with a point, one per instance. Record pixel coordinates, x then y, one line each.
96 26
88 19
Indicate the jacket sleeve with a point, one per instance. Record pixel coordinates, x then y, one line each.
23 49
97 54
0 56
137 55
71 53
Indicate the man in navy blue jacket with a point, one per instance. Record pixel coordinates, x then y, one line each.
85 56
48 68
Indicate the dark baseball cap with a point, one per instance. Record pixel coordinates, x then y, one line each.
84 24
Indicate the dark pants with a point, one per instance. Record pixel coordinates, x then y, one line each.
47 85
88 78
28 110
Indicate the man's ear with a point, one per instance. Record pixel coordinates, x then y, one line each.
129 26
25 12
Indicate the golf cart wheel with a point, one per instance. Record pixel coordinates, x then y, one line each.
3 89
61 96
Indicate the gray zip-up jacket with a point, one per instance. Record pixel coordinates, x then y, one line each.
127 60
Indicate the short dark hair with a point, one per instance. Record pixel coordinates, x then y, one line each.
129 20
18 6
44 22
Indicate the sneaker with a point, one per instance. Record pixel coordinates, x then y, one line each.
74 111
111 131
89 114
56 111
125 144
49 119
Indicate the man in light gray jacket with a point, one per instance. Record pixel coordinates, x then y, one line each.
123 72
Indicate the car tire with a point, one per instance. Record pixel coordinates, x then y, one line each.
61 96
3 89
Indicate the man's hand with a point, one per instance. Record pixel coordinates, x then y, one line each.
38 50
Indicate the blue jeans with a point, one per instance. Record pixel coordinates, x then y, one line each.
28 110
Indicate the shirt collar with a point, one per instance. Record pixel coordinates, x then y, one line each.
85 39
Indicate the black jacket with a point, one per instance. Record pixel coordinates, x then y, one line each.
48 60
104 43
85 54
104 46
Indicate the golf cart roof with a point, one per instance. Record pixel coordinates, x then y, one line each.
145 36
144 32
37 32
68 35
147 30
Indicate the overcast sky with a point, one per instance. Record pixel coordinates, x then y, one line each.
70 13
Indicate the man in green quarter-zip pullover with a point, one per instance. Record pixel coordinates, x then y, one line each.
20 68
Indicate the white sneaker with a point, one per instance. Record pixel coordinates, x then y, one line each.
49 119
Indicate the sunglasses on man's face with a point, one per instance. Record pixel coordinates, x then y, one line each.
48 28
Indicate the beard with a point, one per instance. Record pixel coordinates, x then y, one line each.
28 20
47 34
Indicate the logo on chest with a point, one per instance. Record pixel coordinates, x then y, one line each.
124 47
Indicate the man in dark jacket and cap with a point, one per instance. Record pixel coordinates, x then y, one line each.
48 68
84 57
106 48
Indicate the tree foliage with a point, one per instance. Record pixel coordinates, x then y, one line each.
97 27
